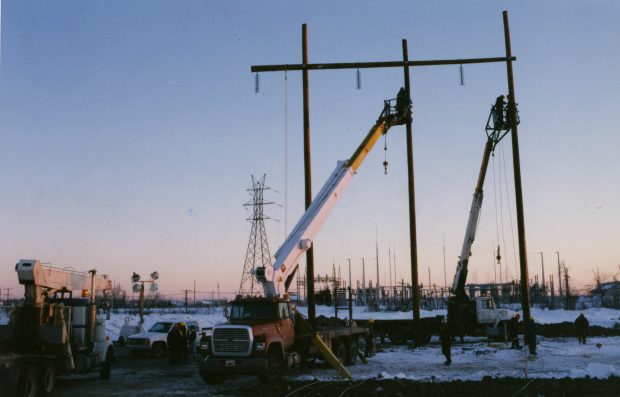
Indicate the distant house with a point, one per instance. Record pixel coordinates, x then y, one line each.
608 294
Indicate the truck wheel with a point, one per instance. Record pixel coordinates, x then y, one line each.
27 382
398 336
158 351
212 379
275 368
106 367
340 351
47 379
351 354
423 337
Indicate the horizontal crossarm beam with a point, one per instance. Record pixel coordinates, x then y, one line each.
368 65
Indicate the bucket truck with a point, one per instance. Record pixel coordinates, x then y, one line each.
52 332
467 315
264 335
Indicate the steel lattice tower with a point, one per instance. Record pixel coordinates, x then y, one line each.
257 253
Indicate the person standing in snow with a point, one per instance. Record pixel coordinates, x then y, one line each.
582 327
192 343
530 336
174 340
513 331
446 342
183 342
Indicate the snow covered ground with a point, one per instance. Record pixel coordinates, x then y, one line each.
474 360
210 317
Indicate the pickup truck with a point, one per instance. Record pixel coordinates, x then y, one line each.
154 341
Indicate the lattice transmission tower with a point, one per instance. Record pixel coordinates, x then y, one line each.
257 253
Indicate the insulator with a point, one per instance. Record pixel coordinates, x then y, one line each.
462 74
256 83
359 79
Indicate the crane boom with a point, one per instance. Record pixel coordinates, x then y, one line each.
39 279
277 278
496 128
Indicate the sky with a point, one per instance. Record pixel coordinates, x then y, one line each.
129 132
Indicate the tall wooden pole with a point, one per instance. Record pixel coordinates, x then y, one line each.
559 277
516 160
308 173
412 222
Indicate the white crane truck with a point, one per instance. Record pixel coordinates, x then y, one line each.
467 315
265 335
53 333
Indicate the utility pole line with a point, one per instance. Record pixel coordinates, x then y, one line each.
390 261
350 286
364 282
542 262
377 253
559 276
443 244
186 299
304 67
194 291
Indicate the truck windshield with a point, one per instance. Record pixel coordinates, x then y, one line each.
253 311
161 327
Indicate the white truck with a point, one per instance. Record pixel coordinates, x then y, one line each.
52 332
154 341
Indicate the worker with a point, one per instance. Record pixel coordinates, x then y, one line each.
402 103
530 335
183 344
446 341
498 120
513 332
582 327
192 343
174 342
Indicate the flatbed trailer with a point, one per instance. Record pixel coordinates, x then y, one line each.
399 331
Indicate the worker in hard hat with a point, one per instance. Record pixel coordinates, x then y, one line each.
183 343
513 331
446 341
530 335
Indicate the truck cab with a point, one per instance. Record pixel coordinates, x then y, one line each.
487 312
257 339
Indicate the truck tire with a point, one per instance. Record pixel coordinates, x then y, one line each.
212 379
47 379
106 368
351 358
340 351
275 367
423 337
27 382
398 336
158 350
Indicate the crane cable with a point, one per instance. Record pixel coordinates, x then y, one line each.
285 154
496 220
512 229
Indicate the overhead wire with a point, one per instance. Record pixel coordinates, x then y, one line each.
512 229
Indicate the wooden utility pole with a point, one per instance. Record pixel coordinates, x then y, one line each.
516 164
304 67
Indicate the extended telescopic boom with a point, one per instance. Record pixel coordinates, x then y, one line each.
277 279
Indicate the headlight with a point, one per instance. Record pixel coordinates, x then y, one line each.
260 346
